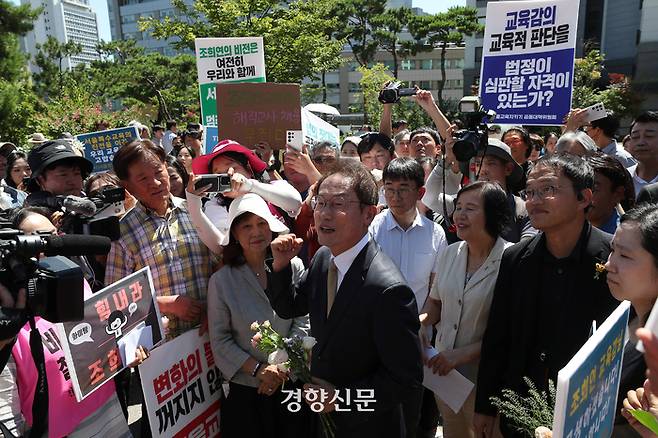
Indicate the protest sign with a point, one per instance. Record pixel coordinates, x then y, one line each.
316 130
587 386
258 112
226 60
528 59
101 146
182 388
92 346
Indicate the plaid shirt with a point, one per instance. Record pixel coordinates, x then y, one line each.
180 263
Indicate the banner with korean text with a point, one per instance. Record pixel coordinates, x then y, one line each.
220 60
182 387
98 347
316 130
101 146
587 386
528 60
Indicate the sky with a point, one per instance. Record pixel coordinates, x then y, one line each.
100 6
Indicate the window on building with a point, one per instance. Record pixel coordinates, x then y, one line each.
389 65
426 64
478 54
354 87
408 64
425 85
352 65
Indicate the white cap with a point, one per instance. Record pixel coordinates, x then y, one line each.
252 203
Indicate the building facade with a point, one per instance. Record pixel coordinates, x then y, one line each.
66 20
423 70
124 22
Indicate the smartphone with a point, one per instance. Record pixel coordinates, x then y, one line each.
595 112
218 182
295 140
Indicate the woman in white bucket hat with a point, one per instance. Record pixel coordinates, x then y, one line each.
236 299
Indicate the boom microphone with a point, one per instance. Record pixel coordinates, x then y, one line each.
74 244
74 204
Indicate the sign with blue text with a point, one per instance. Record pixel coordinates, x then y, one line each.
101 146
528 60
587 386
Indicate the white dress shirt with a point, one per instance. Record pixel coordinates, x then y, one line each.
345 259
414 251
637 181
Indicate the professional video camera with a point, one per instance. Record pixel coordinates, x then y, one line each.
54 284
98 215
392 92
474 138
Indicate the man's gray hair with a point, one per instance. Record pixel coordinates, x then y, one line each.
569 137
321 146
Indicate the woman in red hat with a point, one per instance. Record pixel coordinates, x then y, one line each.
245 170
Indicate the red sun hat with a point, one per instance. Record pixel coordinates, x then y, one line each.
201 165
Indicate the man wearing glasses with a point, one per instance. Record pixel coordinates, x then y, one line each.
549 288
362 313
414 243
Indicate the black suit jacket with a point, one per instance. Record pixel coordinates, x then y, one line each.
510 341
369 341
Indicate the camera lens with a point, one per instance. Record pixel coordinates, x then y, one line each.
466 147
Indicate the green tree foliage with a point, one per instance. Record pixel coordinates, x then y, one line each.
442 30
295 34
357 22
17 102
52 76
388 27
589 87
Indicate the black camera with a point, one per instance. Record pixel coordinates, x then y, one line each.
54 285
97 215
474 138
392 93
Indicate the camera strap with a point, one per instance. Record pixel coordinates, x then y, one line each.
40 402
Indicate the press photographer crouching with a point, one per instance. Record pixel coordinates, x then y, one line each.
58 172
36 394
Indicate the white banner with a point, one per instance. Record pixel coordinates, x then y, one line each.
182 388
316 130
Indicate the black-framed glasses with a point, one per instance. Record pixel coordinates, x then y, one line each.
336 203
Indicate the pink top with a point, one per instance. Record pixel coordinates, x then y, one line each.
65 413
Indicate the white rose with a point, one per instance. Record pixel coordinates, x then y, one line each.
254 326
283 367
308 342
277 356
267 324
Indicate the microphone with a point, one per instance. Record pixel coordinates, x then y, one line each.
76 244
78 205
75 204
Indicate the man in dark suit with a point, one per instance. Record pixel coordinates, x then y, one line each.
549 289
362 313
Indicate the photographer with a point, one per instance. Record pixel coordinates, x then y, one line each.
495 163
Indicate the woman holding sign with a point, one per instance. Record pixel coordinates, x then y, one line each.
236 299
632 274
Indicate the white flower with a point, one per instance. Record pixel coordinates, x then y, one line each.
267 324
254 326
283 367
277 356
308 342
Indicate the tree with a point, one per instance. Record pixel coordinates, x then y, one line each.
357 23
442 30
17 102
591 86
296 44
51 77
388 27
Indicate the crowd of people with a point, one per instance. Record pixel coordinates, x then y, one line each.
379 247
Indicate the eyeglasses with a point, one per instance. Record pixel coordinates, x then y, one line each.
389 191
337 203
541 193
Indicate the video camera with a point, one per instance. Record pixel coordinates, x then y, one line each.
474 138
97 215
392 92
54 284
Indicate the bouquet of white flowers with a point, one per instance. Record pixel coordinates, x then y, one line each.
289 355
